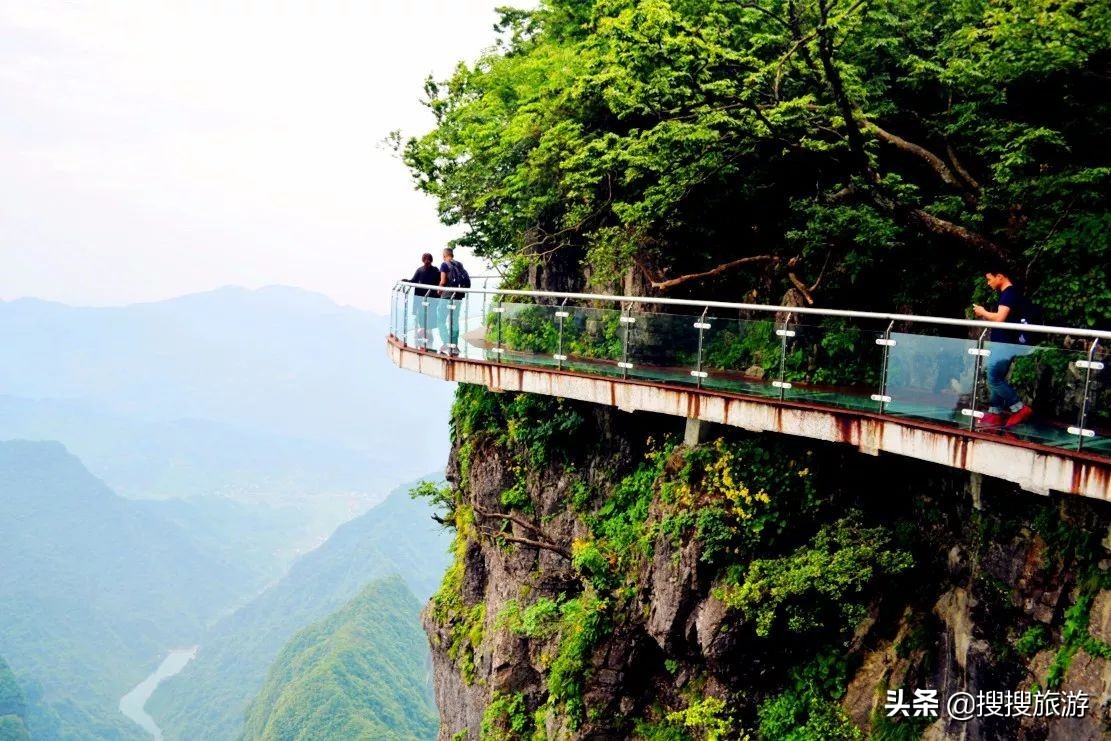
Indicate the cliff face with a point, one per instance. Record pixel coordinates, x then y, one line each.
610 582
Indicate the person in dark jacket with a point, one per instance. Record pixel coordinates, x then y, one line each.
1005 408
423 308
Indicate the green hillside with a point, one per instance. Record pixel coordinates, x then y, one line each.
209 698
358 674
94 589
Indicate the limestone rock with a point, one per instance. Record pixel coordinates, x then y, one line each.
1099 624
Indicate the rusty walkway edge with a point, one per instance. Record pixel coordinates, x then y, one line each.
1036 468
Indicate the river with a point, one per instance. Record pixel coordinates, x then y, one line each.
132 703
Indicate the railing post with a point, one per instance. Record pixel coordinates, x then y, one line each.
405 317
1089 365
499 310
422 332
393 311
980 354
887 344
701 325
452 327
627 322
783 333
561 314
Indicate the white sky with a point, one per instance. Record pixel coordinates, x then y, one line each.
150 149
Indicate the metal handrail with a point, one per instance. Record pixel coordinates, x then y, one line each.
915 318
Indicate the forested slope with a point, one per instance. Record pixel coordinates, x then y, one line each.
359 673
209 698
95 588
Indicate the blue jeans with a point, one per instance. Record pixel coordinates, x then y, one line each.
1003 395
448 320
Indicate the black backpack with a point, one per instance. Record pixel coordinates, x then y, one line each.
457 276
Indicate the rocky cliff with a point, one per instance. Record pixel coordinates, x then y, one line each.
612 582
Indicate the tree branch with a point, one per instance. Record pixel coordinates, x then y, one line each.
965 174
956 231
936 163
801 288
837 88
671 283
526 541
510 518
765 11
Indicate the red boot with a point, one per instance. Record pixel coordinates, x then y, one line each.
991 419
1020 416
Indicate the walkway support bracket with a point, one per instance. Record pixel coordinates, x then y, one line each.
702 326
980 354
561 314
499 310
887 344
1080 431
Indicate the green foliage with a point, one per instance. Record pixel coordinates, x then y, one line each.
584 621
1033 639
807 710
465 622
357 674
682 135
819 586
1074 633
440 497
539 620
742 345
708 718
581 495
506 718
738 496
531 329
885 728
1064 540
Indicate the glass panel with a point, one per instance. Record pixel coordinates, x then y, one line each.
429 321
663 348
1098 418
932 378
833 363
1051 381
593 340
472 328
529 334
741 355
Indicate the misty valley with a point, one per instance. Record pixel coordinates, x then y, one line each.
205 521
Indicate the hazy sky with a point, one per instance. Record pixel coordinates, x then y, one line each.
151 148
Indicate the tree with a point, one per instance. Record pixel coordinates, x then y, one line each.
818 147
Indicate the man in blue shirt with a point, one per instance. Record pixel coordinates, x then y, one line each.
1005 408
449 307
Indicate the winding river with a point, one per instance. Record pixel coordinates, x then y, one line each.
132 703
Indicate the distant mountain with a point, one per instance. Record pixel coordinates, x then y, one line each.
210 697
275 360
188 457
93 589
13 707
360 673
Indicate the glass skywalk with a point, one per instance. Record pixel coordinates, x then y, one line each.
922 368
